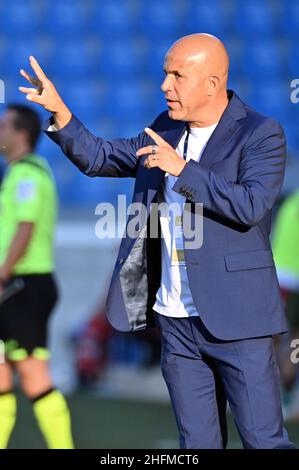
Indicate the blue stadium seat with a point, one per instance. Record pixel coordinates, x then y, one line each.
263 59
69 179
254 17
4 44
103 126
242 87
19 18
159 103
128 100
208 17
272 97
113 19
292 69
132 127
75 58
85 98
66 18
123 58
235 48
159 19
17 52
47 148
290 18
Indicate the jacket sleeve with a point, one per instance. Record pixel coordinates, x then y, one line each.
260 178
93 155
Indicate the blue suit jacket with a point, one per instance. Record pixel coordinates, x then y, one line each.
232 276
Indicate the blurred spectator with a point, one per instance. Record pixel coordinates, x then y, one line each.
91 348
98 346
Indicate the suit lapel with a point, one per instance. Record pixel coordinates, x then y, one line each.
222 134
228 125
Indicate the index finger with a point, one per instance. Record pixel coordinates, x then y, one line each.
37 69
156 137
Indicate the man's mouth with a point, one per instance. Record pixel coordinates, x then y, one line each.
171 102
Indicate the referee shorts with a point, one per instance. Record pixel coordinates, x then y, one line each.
24 317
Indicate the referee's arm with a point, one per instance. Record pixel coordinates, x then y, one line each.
16 251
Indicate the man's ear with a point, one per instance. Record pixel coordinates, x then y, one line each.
213 82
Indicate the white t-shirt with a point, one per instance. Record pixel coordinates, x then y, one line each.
174 297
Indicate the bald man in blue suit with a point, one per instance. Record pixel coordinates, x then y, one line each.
217 305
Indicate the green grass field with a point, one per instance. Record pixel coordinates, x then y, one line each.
109 424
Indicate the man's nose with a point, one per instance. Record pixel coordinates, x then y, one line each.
167 84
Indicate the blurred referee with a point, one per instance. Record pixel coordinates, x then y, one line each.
28 291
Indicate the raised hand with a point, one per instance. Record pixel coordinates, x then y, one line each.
164 156
45 94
